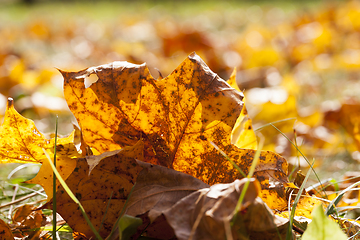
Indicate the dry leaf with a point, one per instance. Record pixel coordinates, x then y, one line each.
21 141
347 116
242 135
195 216
159 188
5 231
110 180
176 117
190 105
27 220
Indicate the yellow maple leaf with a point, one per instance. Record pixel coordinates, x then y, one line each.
20 140
170 122
98 181
65 167
177 117
242 135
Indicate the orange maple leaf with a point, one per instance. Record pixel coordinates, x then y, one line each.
177 117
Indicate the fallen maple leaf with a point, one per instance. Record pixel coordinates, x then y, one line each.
157 189
242 135
98 181
176 117
5 231
190 105
22 142
27 221
195 216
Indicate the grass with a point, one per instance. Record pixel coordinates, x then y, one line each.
72 196
108 10
113 12
9 183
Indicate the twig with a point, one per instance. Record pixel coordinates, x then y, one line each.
21 199
13 199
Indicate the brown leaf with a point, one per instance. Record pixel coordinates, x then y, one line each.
5 231
262 224
27 220
197 215
112 176
159 188
347 116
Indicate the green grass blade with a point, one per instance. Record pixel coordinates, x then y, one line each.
107 209
62 228
54 183
251 173
301 155
72 196
122 212
297 198
331 208
269 124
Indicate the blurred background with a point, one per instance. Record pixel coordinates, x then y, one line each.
296 61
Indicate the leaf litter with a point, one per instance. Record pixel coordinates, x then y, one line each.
157 134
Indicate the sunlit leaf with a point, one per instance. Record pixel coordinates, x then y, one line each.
176 116
242 135
20 140
304 207
322 228
108 182
44 177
